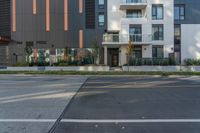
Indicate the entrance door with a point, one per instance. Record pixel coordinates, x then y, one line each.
114 60
113 57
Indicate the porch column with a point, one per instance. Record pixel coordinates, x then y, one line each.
105 55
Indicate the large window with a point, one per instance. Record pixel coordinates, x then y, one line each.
135 33
137 52
177 38
177 34
179 12
157 51
133 13
101 19
157 12
157 32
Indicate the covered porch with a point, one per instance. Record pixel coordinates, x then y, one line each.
116 55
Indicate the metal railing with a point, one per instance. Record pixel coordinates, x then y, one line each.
123 38
133 16
133 1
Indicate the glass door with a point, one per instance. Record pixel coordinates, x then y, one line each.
135 33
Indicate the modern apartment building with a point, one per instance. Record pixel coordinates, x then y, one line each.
157 28
50 26
149 24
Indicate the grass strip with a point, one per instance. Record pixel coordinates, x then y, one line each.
99 73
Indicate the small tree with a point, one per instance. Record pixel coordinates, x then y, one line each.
66 52
130 49
28 51
95 51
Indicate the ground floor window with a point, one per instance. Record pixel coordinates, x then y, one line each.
70 56
158 32
137 52
157 51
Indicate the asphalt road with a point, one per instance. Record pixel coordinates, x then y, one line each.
31 104
134 105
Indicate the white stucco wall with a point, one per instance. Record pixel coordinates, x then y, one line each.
123 56
146 51
190 41
114 15
117 22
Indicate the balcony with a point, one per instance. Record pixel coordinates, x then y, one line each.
124 39
129 19
133 4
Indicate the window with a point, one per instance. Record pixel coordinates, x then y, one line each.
157 12
177 38
133 13
179 12
157 51
101 19
158 32
101 4
137 52
177 34
135 33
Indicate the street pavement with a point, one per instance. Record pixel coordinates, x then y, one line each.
115 104
32 104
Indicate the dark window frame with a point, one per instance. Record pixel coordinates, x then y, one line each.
155 16
156 48
180 16
137 12
159 26
176 40
101 24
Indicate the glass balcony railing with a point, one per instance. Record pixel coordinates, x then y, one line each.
122 38
133 1
134 16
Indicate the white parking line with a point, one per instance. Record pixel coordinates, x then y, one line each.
102 120
28 120
132 121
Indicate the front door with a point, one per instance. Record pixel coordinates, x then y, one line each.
113 57
114 60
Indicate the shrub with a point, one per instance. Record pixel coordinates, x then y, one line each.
192 62
66 63
39 63
151 61
21 64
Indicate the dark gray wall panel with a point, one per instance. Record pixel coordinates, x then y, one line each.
192 11
5 21
32 27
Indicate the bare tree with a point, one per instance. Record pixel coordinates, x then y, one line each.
95 51
130 49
